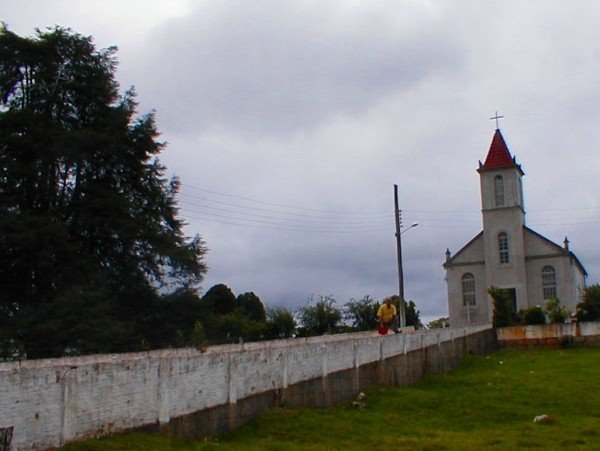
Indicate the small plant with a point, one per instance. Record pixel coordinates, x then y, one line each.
534 315
556 312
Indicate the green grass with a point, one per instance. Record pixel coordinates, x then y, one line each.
488 402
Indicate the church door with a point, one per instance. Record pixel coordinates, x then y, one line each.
512 295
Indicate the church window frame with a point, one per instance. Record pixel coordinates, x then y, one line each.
503 252
468 286
499 198
549 282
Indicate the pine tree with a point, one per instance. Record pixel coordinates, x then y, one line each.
88 221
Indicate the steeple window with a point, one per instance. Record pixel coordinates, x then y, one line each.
499 191
468 289
503 248
549 282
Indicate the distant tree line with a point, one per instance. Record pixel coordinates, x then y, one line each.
221 317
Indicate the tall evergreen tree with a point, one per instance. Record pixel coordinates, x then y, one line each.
219 300
412 315
88 221
251 306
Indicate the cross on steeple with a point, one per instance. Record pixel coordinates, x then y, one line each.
496 117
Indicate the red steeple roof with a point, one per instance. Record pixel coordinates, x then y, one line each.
498 156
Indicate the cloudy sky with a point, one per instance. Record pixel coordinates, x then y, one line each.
289 122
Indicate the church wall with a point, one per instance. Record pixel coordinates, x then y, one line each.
579 282
536 246
185 392
471 253
514 273
478 314
564 281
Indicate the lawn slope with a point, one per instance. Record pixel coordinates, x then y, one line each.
490 401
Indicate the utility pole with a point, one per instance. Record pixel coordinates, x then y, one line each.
397 213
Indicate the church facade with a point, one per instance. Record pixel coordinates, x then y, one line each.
506 253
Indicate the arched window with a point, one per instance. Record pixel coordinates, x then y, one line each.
499 191
549 282
468 289
503 248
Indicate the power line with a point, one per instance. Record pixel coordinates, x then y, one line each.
358 222
216 193
284 226
332 221
282 205
299 215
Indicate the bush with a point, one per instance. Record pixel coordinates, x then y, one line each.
504 312
439 323
589 308
280 323
362 313
556 312
322 318
534 315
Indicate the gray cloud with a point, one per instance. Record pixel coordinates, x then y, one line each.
325 105
275 67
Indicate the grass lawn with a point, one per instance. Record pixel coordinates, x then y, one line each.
488 402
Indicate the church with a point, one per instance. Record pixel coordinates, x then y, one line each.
506 253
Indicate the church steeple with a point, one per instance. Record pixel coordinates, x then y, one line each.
500 176
503 214
498 156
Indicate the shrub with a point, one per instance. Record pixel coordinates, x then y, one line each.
504 312
556 312
321 318
362 313
534 315
280 323
439 323
589 307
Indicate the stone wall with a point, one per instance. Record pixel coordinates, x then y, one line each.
184 392
550 335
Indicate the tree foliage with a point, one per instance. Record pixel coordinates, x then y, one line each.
321 318
362 313
556 312
280 323
412 316
438 323
589 307
251 306
89 231
534 315
504 312
219 300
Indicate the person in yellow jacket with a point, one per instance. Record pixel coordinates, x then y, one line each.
387 315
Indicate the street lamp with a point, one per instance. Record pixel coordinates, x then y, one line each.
414 224
397 213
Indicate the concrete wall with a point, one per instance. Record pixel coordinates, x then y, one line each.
184 392
549 335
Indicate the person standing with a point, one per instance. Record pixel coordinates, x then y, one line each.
388 315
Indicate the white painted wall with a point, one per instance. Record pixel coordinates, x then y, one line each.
54 401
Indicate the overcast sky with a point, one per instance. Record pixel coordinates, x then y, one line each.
289 122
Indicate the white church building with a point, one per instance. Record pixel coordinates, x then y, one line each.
508 254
